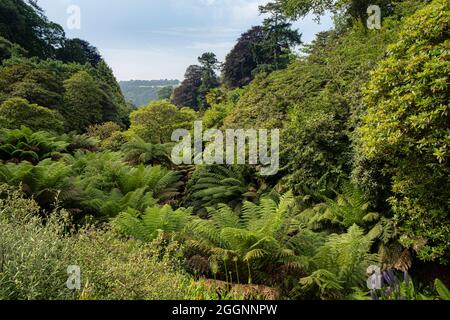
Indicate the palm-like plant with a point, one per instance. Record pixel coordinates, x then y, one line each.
25 145
263 241
112 186
341 264
350 207
140 152
155 220
47 182
110 204
212 185
80 142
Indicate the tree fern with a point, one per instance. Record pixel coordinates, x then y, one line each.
140 152
346 257
255 238
25 145
153 221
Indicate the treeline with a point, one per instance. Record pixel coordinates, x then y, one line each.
49 81
142 92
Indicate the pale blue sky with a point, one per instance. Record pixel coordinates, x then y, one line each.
155 39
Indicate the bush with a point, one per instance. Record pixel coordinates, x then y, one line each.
17 112
407 127
34 258
156 122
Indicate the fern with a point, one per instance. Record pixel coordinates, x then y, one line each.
346 257
140 152
25 145
256 238
155 220
213 185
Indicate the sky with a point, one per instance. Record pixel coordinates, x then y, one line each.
159 39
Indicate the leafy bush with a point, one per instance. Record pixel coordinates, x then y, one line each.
211 185
340 264
259 245
156 122
17 112
140 152
407 126
35 256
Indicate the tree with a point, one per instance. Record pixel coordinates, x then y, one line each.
407 127
17 112
165 93
156 122
78 51
241 62
9 49
356 9
210 81
24 23
82 102
273 53
186 95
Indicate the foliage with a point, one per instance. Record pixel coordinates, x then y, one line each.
340 264
17 112
35 257
156 122
26 145
240 63
137 151
222 104
274 51
209 64
261 244
165 93
186 95
78 51
153 221
24 23
211 185
82 102
407 127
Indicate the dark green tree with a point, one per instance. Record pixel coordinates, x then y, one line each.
24 23
274 51
240 63
82 102
78 51
186 95
210 81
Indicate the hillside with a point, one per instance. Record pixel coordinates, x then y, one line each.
142 92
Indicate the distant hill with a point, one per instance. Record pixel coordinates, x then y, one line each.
141 92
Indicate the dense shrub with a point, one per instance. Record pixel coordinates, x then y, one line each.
156 122
17 112
407 128
34 259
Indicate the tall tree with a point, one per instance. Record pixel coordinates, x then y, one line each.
23 22
187 93
78 51
82 102
210 81
355 9
273 53
240 63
